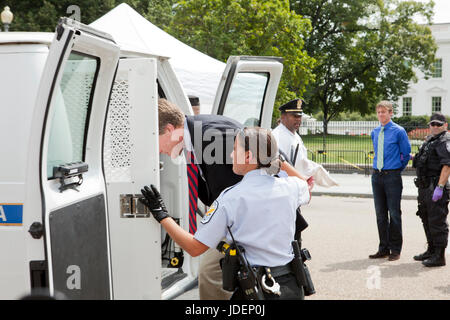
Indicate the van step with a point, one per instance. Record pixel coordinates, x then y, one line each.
170 276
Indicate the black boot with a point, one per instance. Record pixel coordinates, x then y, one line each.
437 259
427 254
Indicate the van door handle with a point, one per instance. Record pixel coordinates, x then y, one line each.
131 207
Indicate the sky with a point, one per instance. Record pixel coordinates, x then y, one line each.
441 11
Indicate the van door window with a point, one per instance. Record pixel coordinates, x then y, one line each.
70 108
246 97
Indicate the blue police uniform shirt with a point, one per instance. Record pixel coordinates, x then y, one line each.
396 148
260 211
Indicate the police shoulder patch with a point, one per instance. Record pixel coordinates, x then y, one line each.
208 215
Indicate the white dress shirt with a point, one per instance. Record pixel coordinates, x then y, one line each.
288 142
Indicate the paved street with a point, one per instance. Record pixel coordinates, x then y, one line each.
341 235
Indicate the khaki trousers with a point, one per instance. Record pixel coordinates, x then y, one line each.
210 277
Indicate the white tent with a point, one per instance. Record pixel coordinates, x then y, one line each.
199 73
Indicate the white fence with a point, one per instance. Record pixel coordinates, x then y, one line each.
339 127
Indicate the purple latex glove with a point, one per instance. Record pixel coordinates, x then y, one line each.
437 194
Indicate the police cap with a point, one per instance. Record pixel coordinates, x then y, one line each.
293 107
194 100
438 118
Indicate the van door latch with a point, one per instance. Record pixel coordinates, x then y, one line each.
131 207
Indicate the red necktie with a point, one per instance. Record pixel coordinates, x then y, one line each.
192 174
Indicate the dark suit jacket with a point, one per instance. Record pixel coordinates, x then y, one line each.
213 139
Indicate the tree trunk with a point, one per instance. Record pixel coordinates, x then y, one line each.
325 118
325 132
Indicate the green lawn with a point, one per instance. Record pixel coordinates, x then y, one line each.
346 149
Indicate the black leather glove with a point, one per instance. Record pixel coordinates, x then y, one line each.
152 199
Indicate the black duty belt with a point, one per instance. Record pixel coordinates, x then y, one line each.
278 271
424 182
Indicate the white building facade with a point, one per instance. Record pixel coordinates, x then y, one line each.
427 96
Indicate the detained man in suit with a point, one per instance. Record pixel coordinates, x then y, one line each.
210 171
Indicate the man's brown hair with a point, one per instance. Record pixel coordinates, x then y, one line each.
169 113
385 104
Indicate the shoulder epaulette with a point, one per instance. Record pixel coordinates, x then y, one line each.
446 136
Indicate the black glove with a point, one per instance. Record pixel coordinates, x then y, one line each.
152 199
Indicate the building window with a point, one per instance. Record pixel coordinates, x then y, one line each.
407 106
436 104
437 68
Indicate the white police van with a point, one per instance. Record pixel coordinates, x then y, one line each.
79 139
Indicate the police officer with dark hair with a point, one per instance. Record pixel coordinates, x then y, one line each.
432 164
257 214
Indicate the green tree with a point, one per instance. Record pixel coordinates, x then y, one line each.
366 50
160 12
43 15
221 28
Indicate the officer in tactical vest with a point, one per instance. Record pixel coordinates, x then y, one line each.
432 164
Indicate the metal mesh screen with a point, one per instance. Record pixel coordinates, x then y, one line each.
117 149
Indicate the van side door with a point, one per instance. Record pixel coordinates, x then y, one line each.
73 98
131 161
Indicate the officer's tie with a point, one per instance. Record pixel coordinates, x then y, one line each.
192 174
380 150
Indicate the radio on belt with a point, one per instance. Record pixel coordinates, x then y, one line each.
70 170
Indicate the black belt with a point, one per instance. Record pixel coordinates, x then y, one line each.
277 271
386 170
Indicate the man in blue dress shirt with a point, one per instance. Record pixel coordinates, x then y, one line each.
392 153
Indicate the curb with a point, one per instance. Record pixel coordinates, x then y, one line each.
356 195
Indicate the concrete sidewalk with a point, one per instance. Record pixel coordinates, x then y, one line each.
360 185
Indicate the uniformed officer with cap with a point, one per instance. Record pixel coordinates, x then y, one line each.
432 164
259 212
289 141
291 145
195 103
